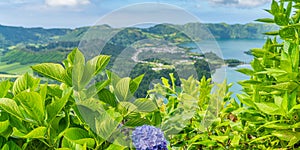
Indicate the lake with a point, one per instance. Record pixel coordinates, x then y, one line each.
229 49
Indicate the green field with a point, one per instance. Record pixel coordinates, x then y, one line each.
14 68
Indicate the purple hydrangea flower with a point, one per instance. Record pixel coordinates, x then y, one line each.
149 138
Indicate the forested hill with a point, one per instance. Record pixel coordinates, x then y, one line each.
10 35
15 35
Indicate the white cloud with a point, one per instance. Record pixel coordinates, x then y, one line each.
55 3
241 3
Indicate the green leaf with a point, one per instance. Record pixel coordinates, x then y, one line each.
96 88
50 70
122 90
272 33
265 20
37 133
287 135
33 104
78 69
246 71
281 19
235 141
25 82
165 82
274 7
11 107
221 139
269 108
10 145
134 84
287 33
107 97
57 105
102 62
246 100
4 87
289 9
145 105
115 147
134 122
156 118
106 124
190 86
77 136
43 91
4 122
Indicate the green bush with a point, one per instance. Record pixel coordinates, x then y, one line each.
78 113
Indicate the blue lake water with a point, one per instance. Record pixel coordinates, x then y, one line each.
229 49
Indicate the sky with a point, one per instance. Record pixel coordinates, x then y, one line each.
78 13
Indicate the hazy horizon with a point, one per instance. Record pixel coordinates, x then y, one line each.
80 13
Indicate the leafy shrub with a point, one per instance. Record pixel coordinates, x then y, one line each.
78 113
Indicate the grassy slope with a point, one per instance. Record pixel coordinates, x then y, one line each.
14 68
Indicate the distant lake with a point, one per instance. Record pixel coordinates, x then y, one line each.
229 49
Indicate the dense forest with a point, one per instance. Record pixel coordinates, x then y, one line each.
10 36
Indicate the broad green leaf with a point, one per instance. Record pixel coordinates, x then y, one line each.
221 139
57 127
106 125
145 105
77 136
290 86
11 107
4 87
107 97
43 91
189 86
235 141
102 62
127 107
115 147
269 108
134 83
274 7
288 32
51 70
25 82
88 72
256 65
93 67
134 122
78 70
281 19
156 118
37 133
57 105
113 77
287 135
33 104
96 88
4 122
10 145
246 100
122 90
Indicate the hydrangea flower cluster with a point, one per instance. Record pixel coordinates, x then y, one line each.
149 138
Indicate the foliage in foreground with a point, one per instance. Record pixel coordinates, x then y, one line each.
77 113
